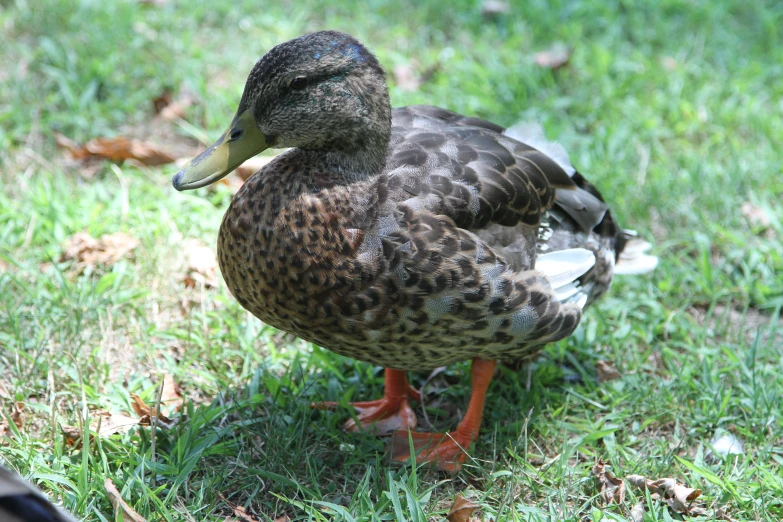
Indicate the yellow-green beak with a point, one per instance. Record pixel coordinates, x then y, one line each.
241 141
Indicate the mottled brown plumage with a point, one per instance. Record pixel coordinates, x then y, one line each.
404 238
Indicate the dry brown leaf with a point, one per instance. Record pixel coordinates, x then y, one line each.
200 265
679 497
172 394
405 76
461 509
103 423
493 8
606 371
284 518
121 508
554 58
140 407
72 436
161 101
176 109
239 511
147 412
611 488
16 415
112 423
106 250
172 109
76 150
119 148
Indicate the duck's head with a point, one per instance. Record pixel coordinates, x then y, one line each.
323 91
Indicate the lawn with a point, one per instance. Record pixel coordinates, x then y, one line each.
674 109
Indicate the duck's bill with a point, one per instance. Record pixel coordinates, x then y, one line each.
241 141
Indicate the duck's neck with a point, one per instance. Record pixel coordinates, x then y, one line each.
356 149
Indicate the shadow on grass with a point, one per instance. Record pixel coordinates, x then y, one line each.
262 445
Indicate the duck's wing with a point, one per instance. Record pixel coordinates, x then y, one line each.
21 502
495 182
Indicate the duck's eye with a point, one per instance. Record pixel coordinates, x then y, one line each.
299 83
235 134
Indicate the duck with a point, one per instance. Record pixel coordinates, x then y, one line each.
22 502
408 238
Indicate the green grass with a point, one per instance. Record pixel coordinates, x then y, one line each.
673 109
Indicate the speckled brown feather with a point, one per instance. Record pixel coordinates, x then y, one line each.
426 258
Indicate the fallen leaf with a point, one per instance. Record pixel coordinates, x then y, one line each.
106 250
606 371
405 76
554 58
161 101
610 488
200 265
16 414
72 436
240 511
172 109
119 148
461 509
102 423
122 510
172 394
637 512
140 407
76 150
147 412
284 518
679 497
113 423
493 8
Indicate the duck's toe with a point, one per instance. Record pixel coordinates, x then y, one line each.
382 416
446 450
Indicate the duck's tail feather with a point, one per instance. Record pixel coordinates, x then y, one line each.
633 260
562 269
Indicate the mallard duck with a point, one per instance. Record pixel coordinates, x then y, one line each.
410 238
21 502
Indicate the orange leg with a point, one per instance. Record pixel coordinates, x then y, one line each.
385 415
448 449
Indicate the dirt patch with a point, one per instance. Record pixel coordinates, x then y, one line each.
738 326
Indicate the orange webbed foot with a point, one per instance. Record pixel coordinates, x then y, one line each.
382 416
386 415
446 450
